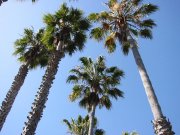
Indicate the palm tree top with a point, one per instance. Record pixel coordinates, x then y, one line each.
68 26
80 126
131 133
123 17
93 80
30 49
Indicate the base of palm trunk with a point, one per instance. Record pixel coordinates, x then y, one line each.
162 126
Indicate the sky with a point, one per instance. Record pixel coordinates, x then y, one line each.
132 113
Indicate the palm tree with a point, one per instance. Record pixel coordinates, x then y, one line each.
81 126
95 84
65 34
132 133
1 1
31 54
124 21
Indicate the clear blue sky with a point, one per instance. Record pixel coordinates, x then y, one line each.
160 56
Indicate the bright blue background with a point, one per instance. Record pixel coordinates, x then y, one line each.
160 56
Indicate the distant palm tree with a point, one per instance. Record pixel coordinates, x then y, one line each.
31 54
132 133
81 126
65 34
1 1
94 85
124 21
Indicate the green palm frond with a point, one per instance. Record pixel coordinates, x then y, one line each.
146 33
67 123
105 102
136 2
72 78
110 43
146 9
99 132
115 93
97 33
76 93
149 23
86 61
112 2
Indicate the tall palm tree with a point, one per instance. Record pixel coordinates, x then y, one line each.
65 34
94 85
81 126
31 54
124 21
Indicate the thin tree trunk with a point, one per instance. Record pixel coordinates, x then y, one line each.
12 93
161 125
91 120
42 95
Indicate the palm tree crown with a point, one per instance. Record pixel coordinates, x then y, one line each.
67 26
81 126
31 50
123 18
95 83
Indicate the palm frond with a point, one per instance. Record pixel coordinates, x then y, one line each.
145 33
110 43
126 47
146 9
97 33
99 132
148 23
105 101
76 93
72 79
115 93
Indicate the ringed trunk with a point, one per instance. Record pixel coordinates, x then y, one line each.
91 120
42 95
12 93
161 125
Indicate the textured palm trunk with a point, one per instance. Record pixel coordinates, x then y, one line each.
91 120
161 125
42 95
12 93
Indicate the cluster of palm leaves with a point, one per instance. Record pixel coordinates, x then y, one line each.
81 126
94 83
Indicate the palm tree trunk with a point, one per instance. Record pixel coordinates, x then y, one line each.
91 120
161 125
42 95
12 93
